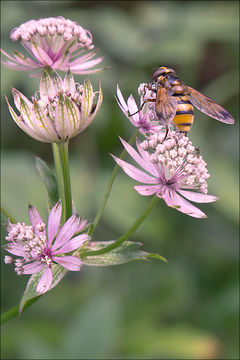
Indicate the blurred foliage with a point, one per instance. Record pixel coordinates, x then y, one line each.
187 308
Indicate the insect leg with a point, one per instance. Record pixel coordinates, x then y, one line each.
145 101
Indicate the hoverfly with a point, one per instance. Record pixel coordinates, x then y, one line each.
175 101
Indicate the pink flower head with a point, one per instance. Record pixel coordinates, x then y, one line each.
38 248
172 169
63 110
145 119
54 42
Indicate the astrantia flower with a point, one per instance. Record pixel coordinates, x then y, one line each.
172 169
145 119
63 110
54 42
39 248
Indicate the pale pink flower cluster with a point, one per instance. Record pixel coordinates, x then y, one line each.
39 247
172 169
57 43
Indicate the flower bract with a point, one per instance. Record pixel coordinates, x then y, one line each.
63 110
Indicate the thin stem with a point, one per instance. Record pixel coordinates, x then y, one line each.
60 154
63 151
14 311
6 213
59 175
109 187
125 236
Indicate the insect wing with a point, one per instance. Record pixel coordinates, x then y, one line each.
208 106
165 106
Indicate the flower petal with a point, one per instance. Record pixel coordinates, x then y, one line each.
197 197
73 244
35 219
134 172
174 200
67 231
45 281
69 262
147 190
15 249
32 268
143 162
54 221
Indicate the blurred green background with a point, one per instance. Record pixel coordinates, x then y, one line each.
188 308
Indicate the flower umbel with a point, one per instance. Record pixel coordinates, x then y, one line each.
38 248
63 110
145 120
173 170
54 42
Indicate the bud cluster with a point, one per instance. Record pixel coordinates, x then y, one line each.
182 162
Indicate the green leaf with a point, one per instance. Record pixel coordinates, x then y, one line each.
126 252
49 181
58 273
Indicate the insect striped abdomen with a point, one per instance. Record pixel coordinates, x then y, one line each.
184 114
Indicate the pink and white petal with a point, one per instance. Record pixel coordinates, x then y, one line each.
143 162
147 190
54 221
15 249
15 66
86 72
69 262
83 223
86 65
132 108
121 100
19 121
66 232
134 172
73 244
35 218
20 59
83 58
197 197
182 205
21 100
32 268
90 118
45 282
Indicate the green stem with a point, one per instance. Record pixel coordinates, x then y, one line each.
60 154
14 311
6 213
63 151
125 236
109 187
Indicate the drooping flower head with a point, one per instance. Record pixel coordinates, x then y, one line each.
63 110
58 43
39 248
144 119
172 169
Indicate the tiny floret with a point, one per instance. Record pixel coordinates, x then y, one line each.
38 247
